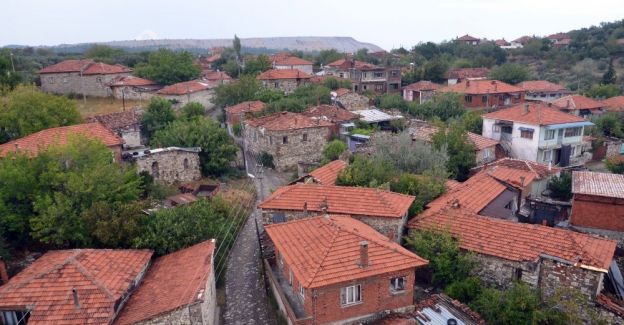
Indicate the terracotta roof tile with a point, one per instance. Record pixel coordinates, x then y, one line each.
86 66
246 107
339 199
287 121
187 87
173 281
540 85
517 241
330 113
291 60
116 120
328 173
480 142
538 114
131 81
32 144
100 276
422 85
573 102
599 184
276 74
215 76
464 73
325 250
614 104
481 87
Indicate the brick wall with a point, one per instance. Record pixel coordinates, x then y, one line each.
171 166
73 83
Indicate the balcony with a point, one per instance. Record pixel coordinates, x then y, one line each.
288 300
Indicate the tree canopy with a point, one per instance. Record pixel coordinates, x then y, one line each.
167 67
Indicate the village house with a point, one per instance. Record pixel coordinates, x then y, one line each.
168 165
598 202
546 258
366 76
237 113
543 90
133 88
537 132
32 144
179 288
337 270
286 80
197 91
350 100
292 62
462 74
218 77
579 105
75 286
385 211
468 40
333 114
420 92
486 93
324 175
125 124
289 138
613 104
485 148
83 77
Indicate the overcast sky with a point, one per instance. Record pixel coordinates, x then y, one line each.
388 24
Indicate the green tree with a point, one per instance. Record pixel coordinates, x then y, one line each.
192 109
27 110
167 67
609 77
561 186
217 147
425 188
233 93
158 115
333 150
603 91
460 150
512 73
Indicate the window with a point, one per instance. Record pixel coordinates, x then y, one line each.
547 155
468 99
573 132
550 134
496 128
397 284
527 134
284 139
484 99
351 295
301 291
305 137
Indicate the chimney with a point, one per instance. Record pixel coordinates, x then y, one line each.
363 254
4 275
76 301
525 109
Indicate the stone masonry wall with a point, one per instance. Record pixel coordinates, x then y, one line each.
73 83
171 166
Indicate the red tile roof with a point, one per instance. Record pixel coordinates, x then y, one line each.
328 173
246 107
291 60
131 81
173 281
276 74
540 85
116 120
325 250
599 184
339 200
186 87
480 142
330 113
517 241
467 38
86 66
422 85
574 102
614 104
215 76
464 73
538 114
539 171
101 278
32 144
481 87
287 121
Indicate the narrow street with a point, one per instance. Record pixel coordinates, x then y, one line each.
245 298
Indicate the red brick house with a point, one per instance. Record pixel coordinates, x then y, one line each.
286 80
486 93
337 270
598 201
34 143
385 211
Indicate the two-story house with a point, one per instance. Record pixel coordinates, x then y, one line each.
337 270
366 76
486 93
537 132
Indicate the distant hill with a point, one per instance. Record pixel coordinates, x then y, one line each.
306 44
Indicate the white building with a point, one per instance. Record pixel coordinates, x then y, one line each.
537 132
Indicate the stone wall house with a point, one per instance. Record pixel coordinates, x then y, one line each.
420 92
84 77
133 88
292 62
189 91
486 93
40 141
179 288
168 165
460 75
598 201
350 100
579 105
385 211
337 270
237 113
333 114
543 90
126 124
545 258
288 137
286 80
366 76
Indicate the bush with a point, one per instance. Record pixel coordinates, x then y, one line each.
333 150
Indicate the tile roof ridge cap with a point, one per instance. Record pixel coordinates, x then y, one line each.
337 229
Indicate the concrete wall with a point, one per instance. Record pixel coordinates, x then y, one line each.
171 166
73 83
